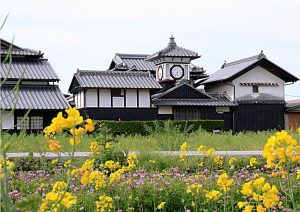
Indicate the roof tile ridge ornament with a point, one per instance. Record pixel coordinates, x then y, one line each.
261 55
224 64
172 42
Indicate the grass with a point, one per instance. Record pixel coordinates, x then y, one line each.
154 142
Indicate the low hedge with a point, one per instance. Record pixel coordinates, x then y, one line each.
138 127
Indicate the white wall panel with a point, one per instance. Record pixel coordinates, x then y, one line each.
131 98
165 110
82 99
7 120
259 75
118 101
105 97
91 96
144 98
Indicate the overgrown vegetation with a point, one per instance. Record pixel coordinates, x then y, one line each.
146 127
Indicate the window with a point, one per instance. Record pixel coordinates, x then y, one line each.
30 123
222 109
118 92
255 88
36 122
186 114
22 123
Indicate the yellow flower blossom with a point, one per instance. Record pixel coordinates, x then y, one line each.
218 160
261 192
107 145
253 162
161 205
232 161
95 147
55 161
54 145
248 208
67 163
105 204
280 148
9 167
224 183
210 152
74 142
89 126
213 195
201 149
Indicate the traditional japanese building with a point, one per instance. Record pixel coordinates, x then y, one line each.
248 94
29 85
257 85
149 87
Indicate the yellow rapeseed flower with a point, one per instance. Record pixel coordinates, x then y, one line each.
253 162
232 161
89 126
161 205
54 145
105 204
213 195
224 183
67 163
210 152
218 160
95 147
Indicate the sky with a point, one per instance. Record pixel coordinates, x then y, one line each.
87 34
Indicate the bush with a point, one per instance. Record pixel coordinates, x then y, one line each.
142 127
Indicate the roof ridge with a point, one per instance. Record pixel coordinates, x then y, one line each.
18 48
247 59
129 55
110 72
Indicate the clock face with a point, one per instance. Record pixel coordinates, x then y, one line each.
160 73
177 72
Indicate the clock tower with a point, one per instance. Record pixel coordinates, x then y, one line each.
172 63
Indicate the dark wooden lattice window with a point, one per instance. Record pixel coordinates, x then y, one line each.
187 114
22 122
36 122
30 123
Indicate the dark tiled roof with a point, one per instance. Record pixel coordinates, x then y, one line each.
39 69
124 62
193 102
33 97
293 109
16 50
260 98
172 50
116 79
198 97
293 103
133 61
230 70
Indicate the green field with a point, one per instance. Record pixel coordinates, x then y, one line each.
157 141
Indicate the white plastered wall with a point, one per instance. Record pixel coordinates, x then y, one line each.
144 98
7 120
131 98
259 75
91 98
105 98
